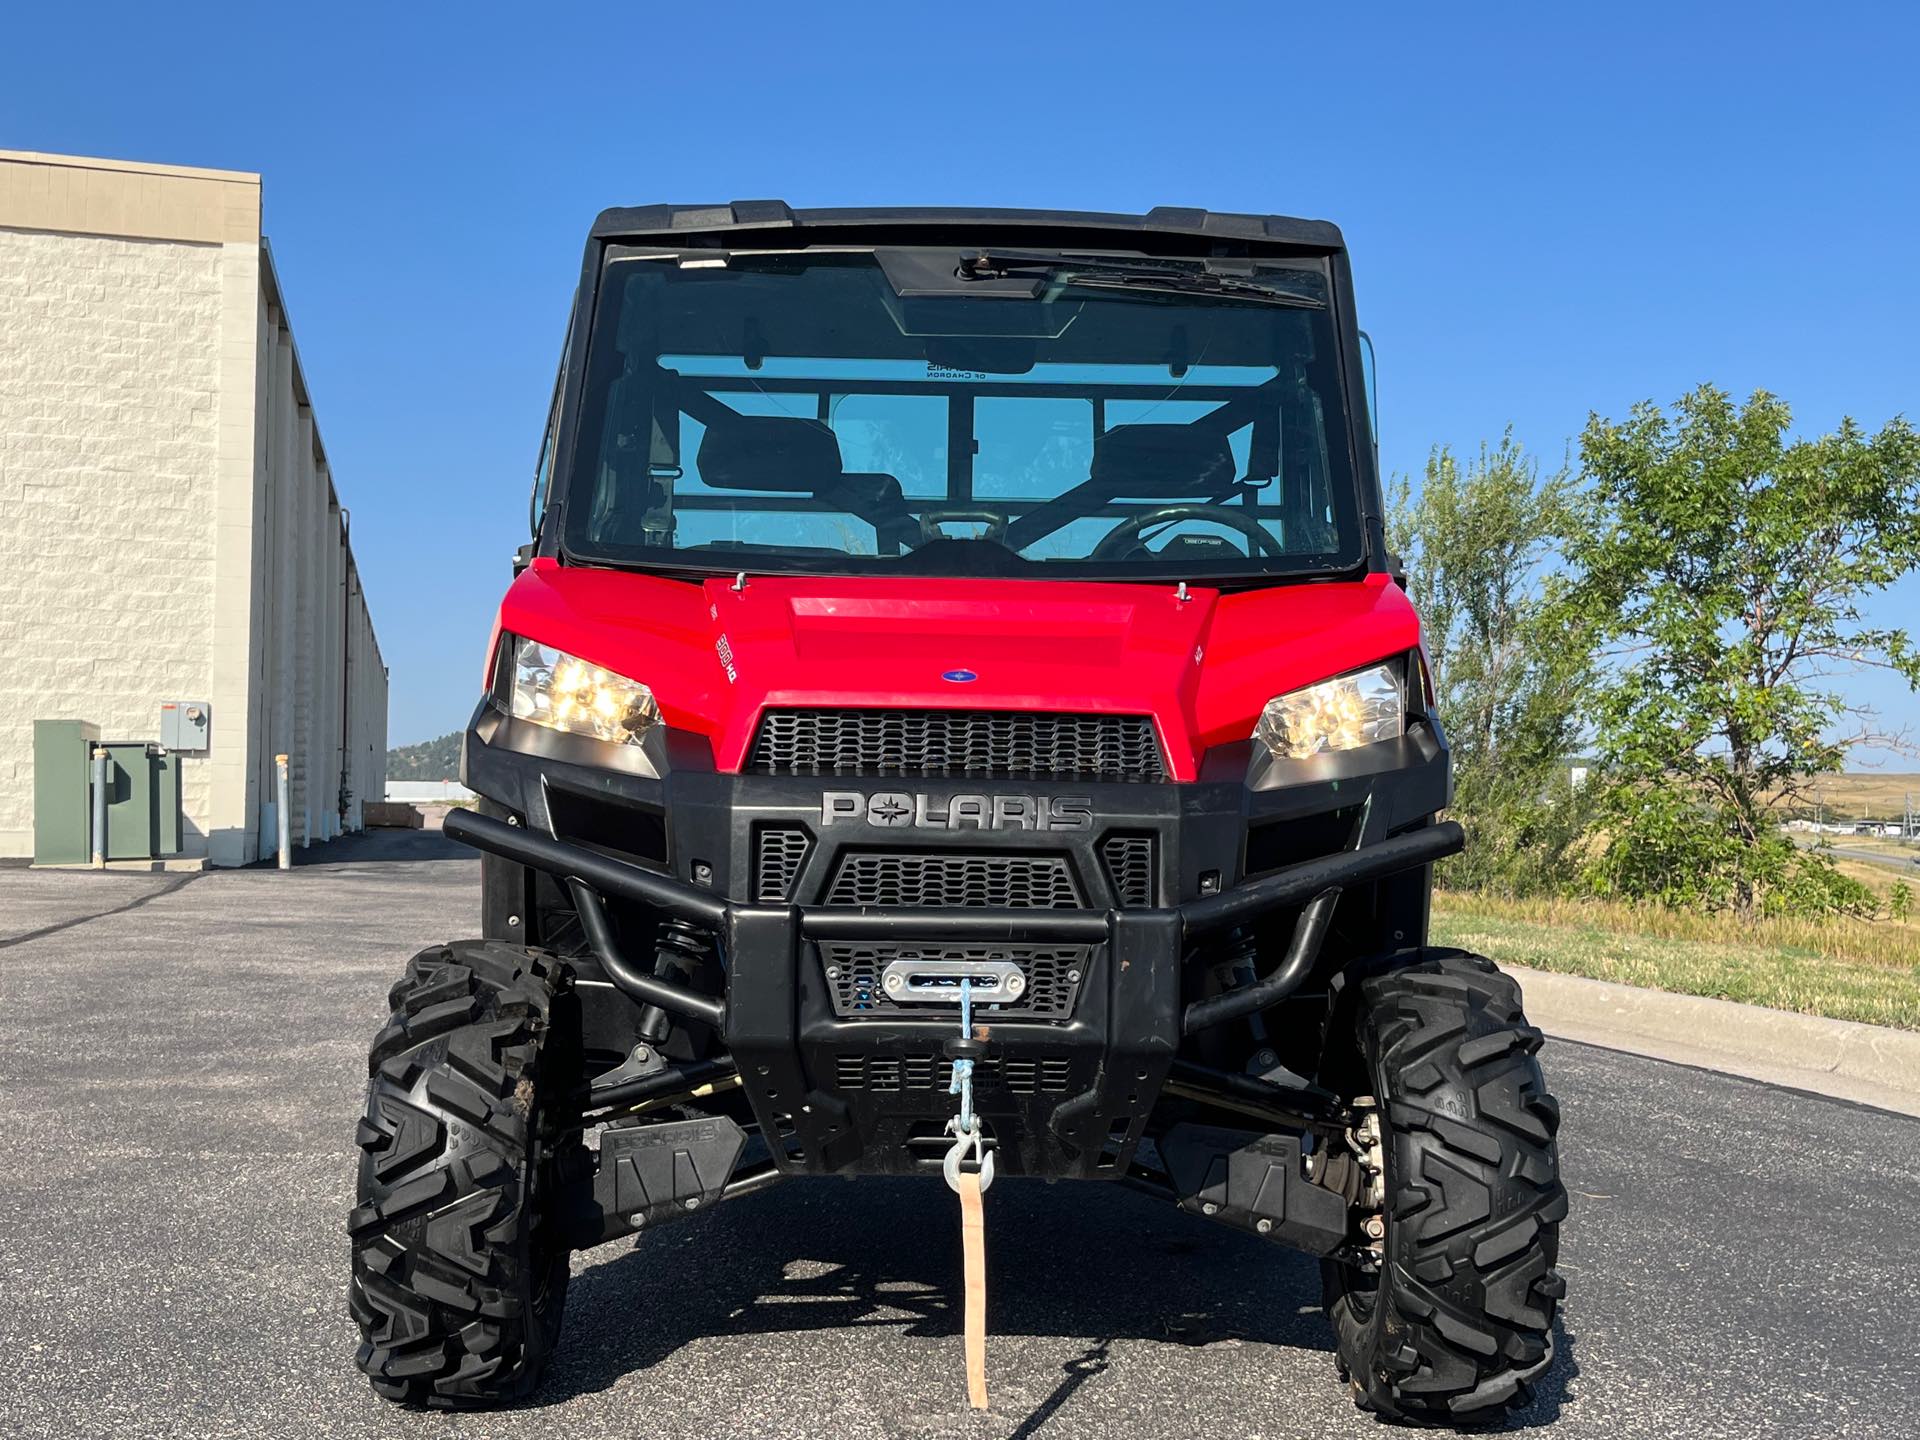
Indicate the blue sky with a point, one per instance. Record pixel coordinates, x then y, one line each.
1552 209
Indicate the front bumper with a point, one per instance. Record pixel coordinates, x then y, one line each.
1062 1097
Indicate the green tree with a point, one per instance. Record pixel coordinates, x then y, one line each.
429 760
1722 566
1508 686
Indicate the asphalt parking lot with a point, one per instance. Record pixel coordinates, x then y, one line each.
182 1062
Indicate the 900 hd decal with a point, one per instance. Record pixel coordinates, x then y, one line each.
898 809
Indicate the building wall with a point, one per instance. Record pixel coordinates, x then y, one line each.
168 519
109 391
320 683
367 720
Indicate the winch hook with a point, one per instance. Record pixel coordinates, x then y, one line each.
965 1140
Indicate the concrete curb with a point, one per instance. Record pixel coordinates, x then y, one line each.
1867 1064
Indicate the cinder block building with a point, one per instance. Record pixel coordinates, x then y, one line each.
174 557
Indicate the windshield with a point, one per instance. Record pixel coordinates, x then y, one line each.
905 412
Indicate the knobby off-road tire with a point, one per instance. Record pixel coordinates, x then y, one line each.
459 1264
1460 1316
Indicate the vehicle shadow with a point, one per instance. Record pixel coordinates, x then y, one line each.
1085 1261
1553 1391
379 847
1078 1259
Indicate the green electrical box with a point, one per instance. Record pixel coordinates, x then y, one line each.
167 819
143 801
62 784
143 796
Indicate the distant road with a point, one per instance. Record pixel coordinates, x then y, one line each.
1872 857
1844 851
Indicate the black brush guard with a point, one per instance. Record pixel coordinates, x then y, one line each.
1115 1054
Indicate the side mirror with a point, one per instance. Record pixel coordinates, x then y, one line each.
523 557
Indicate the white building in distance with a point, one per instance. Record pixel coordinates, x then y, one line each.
170 535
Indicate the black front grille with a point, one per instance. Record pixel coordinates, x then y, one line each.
778 851
1010 744
1129 863
884 1073
1053 974
1024 882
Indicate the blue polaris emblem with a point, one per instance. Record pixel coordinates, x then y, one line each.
959 677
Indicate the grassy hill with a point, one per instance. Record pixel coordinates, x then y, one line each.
1867 794
429 760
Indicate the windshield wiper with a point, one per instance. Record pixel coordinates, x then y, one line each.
1126 275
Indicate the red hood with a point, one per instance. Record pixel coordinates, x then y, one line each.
1202 667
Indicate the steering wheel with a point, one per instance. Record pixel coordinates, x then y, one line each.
1126 535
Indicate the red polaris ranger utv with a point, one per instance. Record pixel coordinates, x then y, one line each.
959 714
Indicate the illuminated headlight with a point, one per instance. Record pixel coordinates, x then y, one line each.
1340 714
564 692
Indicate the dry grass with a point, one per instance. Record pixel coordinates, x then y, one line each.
1868 792
1881 879
1848 969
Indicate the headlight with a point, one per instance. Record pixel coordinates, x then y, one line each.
564 692
1338 714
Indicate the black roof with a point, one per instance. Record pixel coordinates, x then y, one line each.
742 218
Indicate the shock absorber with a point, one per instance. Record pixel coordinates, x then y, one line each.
1236 969
679 952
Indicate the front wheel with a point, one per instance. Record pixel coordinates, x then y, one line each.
1457 1317
459 1259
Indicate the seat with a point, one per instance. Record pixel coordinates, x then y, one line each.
787 453
1154 462
1190 462
794 455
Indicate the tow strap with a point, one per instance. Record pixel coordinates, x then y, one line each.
973 1250
970 1185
